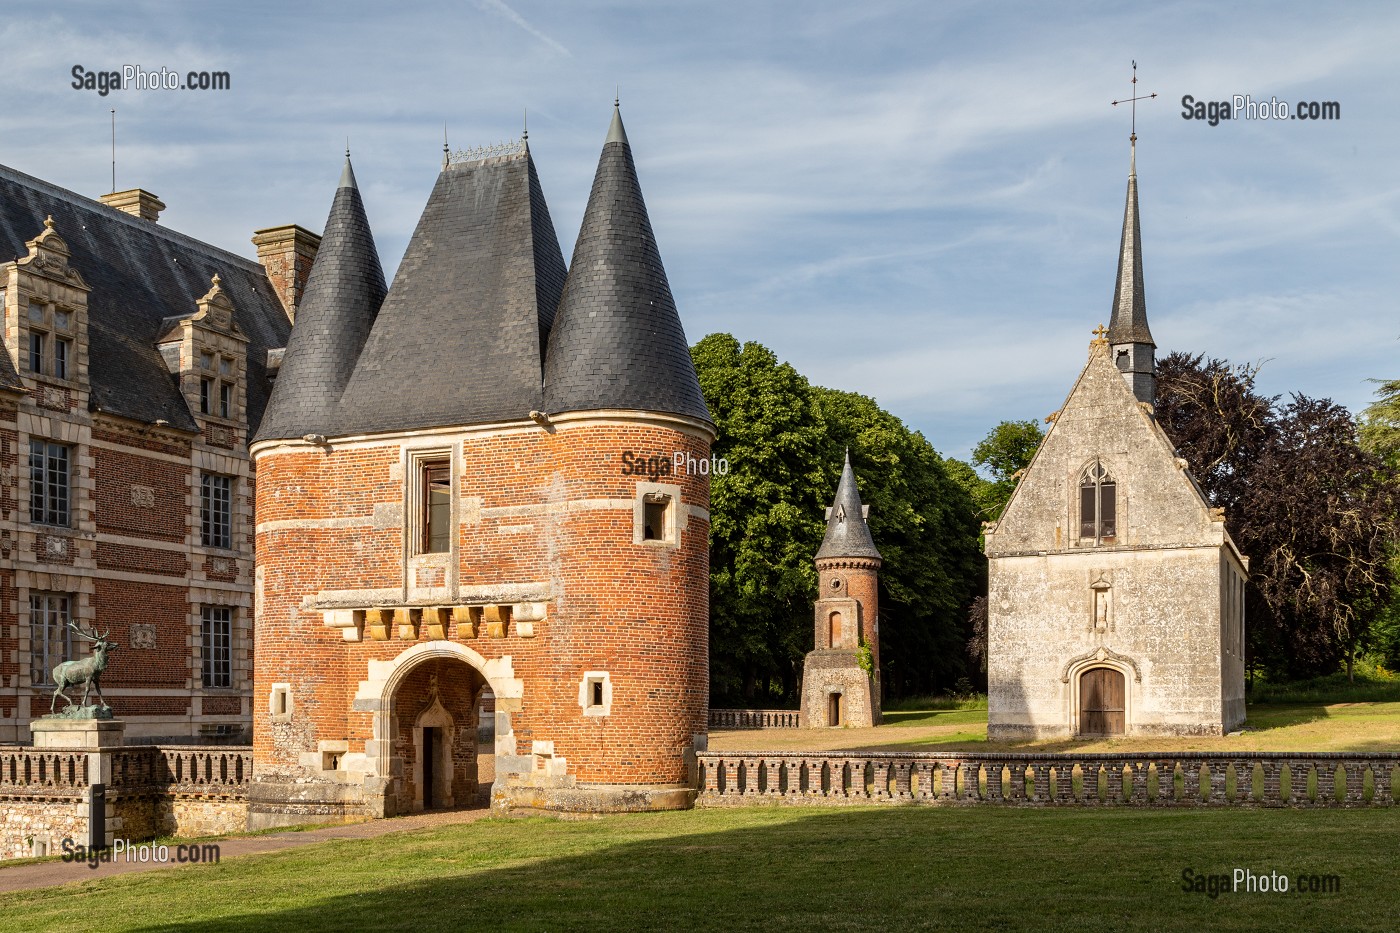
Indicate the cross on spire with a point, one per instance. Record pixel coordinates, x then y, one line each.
1133 100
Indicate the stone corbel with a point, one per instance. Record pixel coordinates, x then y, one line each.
377 622
351 622
407 620
435 622
468 619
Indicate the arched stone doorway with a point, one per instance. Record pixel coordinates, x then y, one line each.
1102 702
434 736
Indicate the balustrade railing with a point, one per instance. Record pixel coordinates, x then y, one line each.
755 719
1174 779
30 772
217 770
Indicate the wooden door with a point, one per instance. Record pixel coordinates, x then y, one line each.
1101 709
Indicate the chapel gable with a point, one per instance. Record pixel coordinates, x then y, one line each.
1106 475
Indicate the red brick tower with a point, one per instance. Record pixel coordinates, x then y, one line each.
841 675
453 525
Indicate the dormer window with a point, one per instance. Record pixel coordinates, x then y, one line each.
1098 505
37 340
50 347
206 396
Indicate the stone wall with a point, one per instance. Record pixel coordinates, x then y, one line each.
151 791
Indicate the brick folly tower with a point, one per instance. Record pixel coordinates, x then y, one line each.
841 676
447 523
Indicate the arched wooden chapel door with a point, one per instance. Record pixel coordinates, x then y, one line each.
1101 706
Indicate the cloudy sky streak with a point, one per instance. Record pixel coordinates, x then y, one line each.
916 201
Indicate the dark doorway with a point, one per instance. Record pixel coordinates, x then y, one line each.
833 714
430 741
1101 707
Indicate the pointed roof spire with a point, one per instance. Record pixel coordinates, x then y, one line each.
617 340
847 534
342 299
347 174
1129 321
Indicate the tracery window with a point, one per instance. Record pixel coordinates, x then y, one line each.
1098 505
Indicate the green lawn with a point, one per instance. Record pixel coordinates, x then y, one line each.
774 869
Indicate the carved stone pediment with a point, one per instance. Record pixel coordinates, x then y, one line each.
216 310
48 256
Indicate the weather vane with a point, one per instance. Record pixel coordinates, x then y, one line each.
1133 100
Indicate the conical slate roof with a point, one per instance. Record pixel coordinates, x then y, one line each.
460 337
1129 321
343 296
847 534
617 340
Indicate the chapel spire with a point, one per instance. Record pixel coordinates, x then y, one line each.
617 340
1129 338
342 299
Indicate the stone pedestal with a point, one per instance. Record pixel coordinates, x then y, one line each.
89 734
836 691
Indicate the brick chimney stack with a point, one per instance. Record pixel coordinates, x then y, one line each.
287 253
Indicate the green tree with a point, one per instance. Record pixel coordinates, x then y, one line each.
765 516
1380 434
1004 453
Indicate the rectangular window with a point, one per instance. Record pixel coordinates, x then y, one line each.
216 636
36 311
206 360
50 637
225 400
61 351
63 320
654 518
225 366
1086 512
206 396
437 507
48 483
36 352
216 510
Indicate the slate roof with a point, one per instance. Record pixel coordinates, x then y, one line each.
1129 321
459 338
141 273
617 340
342 298
847 534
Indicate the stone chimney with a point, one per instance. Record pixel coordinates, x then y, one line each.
138 202
287 253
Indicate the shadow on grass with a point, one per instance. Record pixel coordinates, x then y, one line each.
973 868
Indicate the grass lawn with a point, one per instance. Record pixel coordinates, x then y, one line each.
1271 727
763 868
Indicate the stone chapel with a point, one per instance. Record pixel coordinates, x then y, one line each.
1115 593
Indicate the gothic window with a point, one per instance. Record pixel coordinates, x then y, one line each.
1098 505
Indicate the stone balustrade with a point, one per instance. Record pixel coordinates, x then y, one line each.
1175 779
755 719
28 772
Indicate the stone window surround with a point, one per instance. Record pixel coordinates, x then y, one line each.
676 514
585 693
280 704
1075 539
415 502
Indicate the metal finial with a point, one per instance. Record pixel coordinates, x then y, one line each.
617 95
347 147
1132 138
525 126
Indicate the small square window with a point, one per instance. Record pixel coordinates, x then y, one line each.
595 693
63 320
225 366
279 703
206 361
36 311
655 515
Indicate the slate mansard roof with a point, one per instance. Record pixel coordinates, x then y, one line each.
141 273
343 296
617 340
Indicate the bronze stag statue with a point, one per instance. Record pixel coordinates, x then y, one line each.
87 672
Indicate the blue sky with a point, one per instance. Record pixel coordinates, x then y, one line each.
917 201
